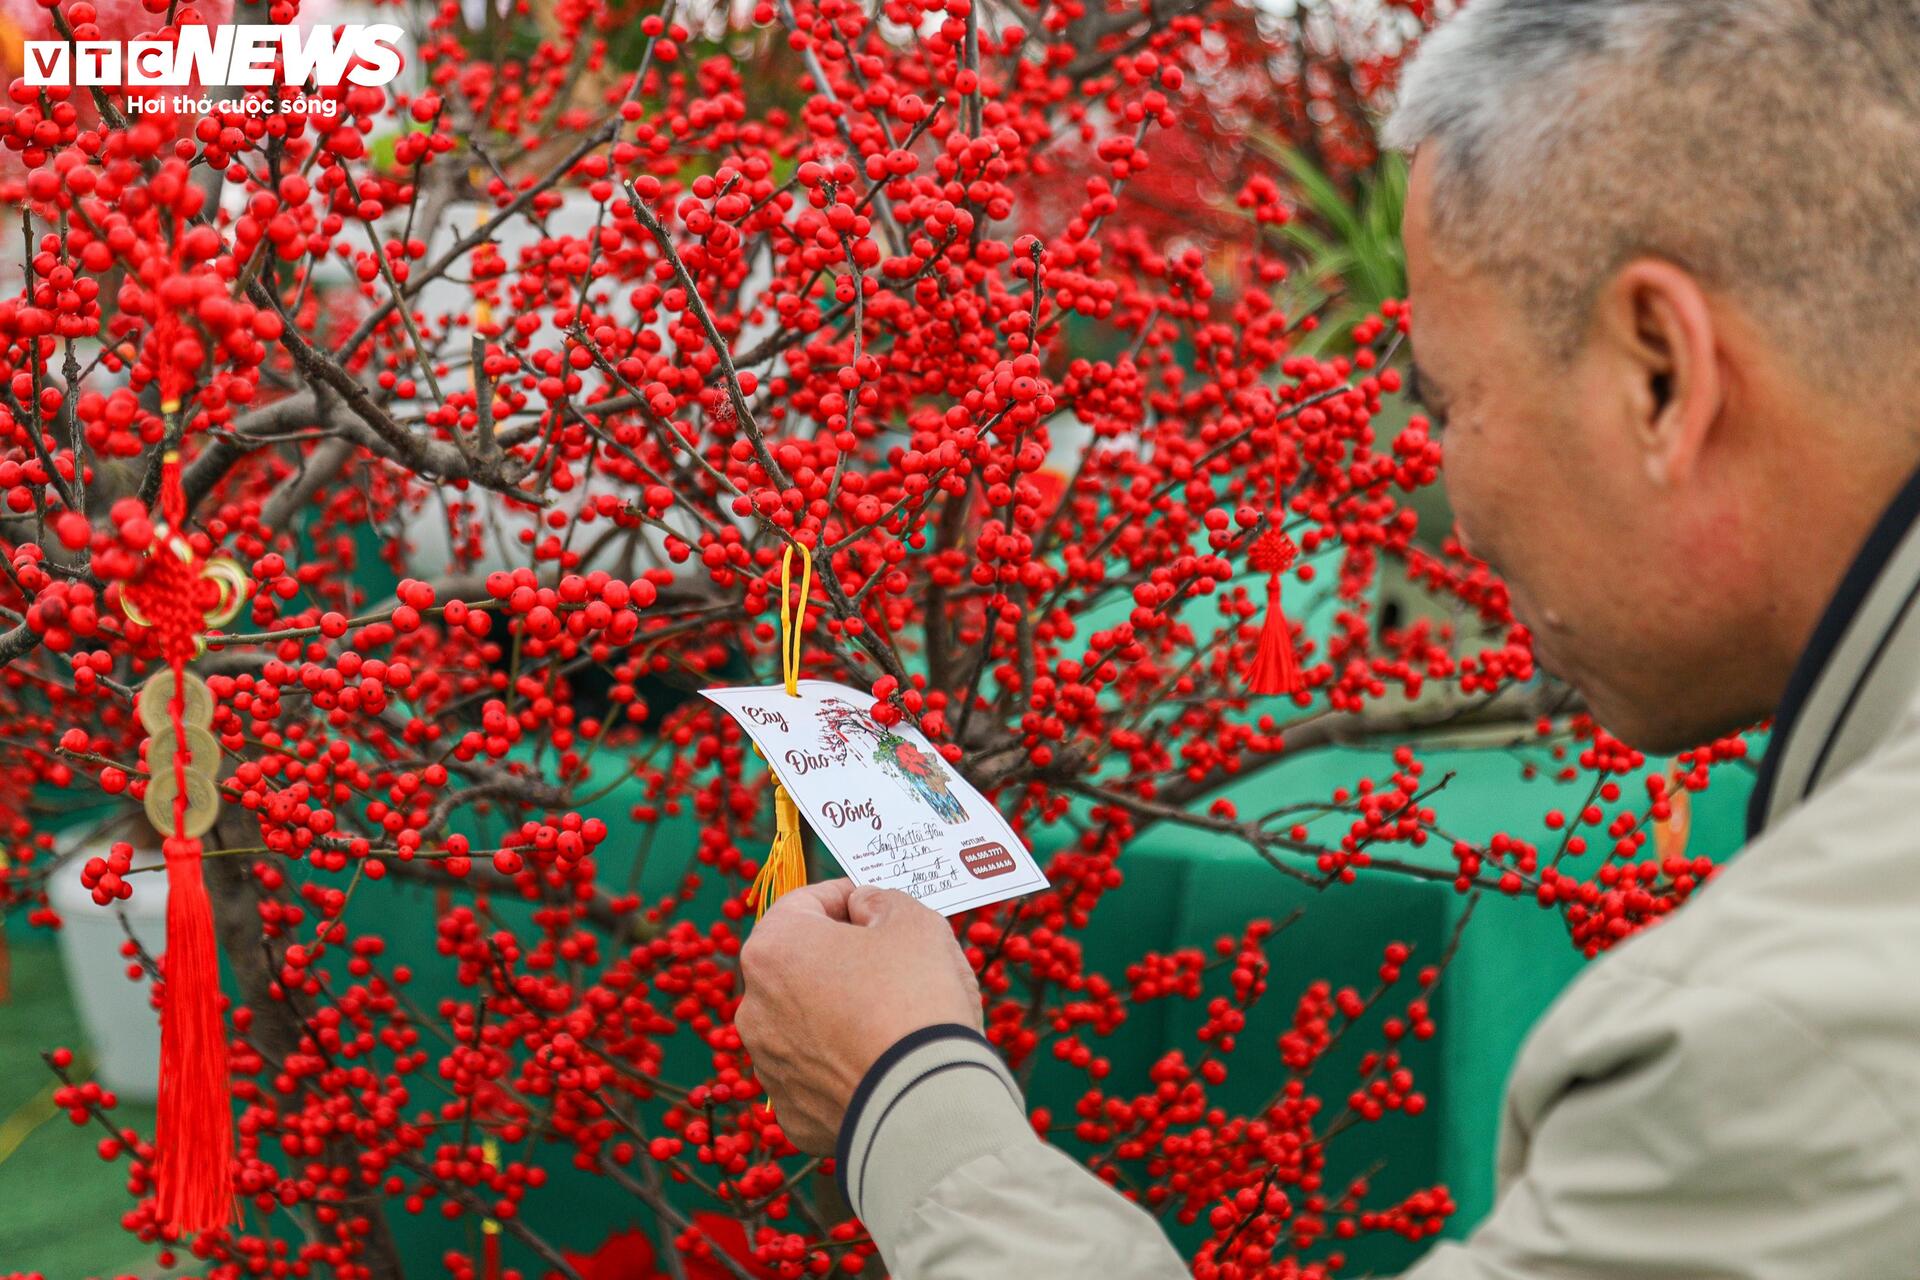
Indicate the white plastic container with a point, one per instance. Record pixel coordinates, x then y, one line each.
121 1026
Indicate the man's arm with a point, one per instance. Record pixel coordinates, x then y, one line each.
937 1158
1671 1131
1664 1130
862 1015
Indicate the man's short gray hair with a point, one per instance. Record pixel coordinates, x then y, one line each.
1772 147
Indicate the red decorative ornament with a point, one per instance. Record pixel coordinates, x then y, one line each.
1276 669
490 1227
176 596
624 1255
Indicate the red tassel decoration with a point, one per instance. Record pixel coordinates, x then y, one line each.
177 595
490 1250
1276 669
193 1136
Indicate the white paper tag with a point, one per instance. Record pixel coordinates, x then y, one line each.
892 811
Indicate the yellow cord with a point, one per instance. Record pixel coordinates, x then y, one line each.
793 630
786 864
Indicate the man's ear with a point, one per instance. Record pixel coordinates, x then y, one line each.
1656 319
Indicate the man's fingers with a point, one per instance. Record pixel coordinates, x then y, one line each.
826 898
867 905
746 1021
770 945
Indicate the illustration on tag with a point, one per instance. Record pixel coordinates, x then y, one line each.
919 772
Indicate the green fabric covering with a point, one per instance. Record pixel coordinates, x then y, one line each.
62 1202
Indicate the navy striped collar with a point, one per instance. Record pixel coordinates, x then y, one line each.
1858 674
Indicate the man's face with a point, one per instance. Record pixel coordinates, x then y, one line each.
1549 482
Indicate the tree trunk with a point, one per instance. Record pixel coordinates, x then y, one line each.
253 961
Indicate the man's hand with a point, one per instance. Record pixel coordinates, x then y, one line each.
834 976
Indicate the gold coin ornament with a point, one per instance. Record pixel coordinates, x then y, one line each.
177 598
203 802
203 752
157 694
163 747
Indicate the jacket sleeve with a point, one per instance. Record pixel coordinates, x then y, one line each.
1669 1131
937 1158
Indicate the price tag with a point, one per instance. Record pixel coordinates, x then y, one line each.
894 813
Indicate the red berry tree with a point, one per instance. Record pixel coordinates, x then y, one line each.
573 331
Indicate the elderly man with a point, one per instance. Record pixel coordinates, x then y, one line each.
1665 260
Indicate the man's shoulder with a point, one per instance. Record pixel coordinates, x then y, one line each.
1830 891
1814 929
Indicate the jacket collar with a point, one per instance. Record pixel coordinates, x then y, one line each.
1858 675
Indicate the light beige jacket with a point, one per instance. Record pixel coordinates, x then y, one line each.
1732 1095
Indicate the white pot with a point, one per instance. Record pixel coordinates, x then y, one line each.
121 1026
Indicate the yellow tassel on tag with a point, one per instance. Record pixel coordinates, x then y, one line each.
785 867
786 864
